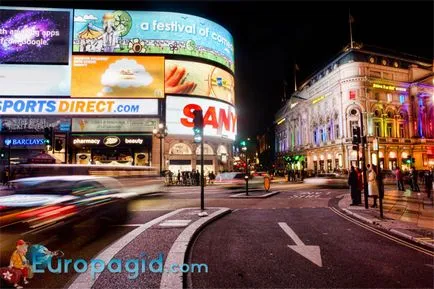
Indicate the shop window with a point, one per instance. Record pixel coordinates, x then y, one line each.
389 97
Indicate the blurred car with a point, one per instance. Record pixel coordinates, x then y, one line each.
263 174
43 206
236 180
330 180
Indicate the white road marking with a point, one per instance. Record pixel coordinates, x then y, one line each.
312 253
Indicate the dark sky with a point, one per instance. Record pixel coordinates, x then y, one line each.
270 36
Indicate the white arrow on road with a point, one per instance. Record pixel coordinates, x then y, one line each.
312 253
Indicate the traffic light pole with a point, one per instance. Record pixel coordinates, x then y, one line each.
202 177
365 177
247 175
9 163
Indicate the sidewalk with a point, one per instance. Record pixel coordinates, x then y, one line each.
167 236
407 214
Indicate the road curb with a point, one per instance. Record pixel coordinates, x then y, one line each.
85 280
179 249
243 195
391 230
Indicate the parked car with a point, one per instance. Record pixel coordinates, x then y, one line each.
42 206
236 180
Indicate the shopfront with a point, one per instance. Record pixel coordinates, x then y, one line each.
111 149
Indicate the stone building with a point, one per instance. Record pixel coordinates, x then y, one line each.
389 94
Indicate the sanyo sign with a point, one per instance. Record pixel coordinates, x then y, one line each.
220 119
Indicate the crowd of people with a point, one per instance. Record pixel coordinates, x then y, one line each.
187 178
376 184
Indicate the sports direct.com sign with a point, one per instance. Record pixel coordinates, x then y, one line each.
220 119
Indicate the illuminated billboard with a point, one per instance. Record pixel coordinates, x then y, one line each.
107 31
35 50
66 106
117 76
194 78
35 35
220 119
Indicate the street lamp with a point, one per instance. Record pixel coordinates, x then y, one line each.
160 133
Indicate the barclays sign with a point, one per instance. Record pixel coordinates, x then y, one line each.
24 141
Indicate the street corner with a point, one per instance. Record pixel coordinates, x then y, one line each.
255 195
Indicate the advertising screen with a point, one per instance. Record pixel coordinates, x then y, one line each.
152 33
34 124
35 35
32 80
114 124
220 119
41 106
117 76
186 77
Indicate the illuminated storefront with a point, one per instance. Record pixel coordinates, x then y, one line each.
392 94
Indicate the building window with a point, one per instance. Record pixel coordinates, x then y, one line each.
377 127
336 131
389 130
314 136
389 97
329 132
353 124
321 134
401 130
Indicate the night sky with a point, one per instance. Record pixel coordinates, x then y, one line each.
270 36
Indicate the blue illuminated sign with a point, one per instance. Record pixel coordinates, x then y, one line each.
401 99
24 141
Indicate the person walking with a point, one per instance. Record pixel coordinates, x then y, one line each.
399 179
352 182
428 183
414 177
359 186
372 184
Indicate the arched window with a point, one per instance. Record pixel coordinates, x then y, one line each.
180 149
207 150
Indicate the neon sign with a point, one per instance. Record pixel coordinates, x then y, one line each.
388 87
318 99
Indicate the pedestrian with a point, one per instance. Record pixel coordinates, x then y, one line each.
413 176
352 182
372 184
359 186
428 183
399 179
179 177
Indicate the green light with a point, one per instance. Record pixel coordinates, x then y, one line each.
243 143
47 141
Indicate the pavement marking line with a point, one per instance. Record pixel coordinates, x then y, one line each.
381 233
312 253
84 280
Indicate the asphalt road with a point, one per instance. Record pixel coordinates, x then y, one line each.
249 249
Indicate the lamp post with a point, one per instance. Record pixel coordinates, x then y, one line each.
161 133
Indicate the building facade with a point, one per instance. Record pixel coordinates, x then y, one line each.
103 80
387 94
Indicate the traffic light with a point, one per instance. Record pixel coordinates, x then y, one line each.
58 144
198 125
409 160
2 154
243 145
356 135
48 135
